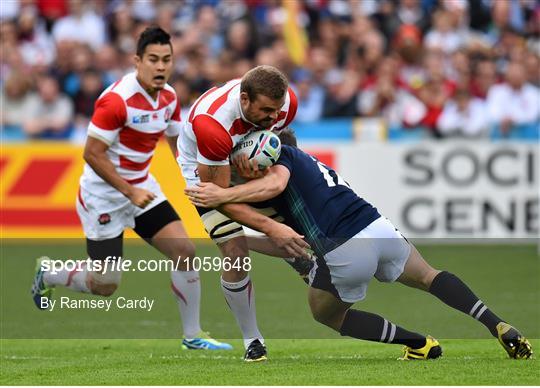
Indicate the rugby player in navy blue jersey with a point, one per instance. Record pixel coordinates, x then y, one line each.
353 243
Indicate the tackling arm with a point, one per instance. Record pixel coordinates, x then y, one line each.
282 235
256 190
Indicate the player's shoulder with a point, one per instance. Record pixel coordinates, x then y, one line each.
220 102
169 90
110 99
287 155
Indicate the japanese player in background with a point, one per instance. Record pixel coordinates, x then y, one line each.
118 192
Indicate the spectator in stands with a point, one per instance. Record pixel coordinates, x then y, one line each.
340 98
464 116
514 102
49 113
366 55
106 61
91 86
435 91
121 28
532 66
240 40
310 96
385 98
484 77
458 69
444 35
36 46
15 99
406 13
208 26
320 63
408 45
82 59
11 58
81 25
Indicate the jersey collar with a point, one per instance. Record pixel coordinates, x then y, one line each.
151 101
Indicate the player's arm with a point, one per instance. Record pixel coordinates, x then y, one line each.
283 236
173 129
95 154
108 119
207 194
172 141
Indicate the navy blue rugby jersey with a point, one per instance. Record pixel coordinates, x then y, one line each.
319 204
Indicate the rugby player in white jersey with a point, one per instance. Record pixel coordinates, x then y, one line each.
118 192
216 122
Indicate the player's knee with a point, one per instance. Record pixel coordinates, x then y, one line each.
183 249
104 284
103 289
322 315
234 251
427 278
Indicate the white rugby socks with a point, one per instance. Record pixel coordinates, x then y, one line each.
186 286
240 297
74 279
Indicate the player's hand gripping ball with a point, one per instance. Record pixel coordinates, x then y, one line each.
262 146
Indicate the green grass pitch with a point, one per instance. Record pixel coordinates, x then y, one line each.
138 347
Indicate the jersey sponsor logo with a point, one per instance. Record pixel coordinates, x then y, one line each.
141 119
104 218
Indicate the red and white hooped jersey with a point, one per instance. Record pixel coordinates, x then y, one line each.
215 124
131 123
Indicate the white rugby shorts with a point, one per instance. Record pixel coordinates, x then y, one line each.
103 218
379 251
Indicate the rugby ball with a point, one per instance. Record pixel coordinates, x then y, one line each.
263 146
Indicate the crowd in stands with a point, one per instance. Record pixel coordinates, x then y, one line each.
451 67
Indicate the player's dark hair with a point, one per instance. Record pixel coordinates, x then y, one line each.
265 80
288 137
152 35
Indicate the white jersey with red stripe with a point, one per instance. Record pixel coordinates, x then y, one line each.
216 123
131 123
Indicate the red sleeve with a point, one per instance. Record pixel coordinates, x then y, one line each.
213 141
109 112
293 106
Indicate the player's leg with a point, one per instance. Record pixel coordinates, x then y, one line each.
455 293
236 283
161 227
341 279
336 314
104 231
239 293
83 279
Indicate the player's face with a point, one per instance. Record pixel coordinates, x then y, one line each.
263 111
155 67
